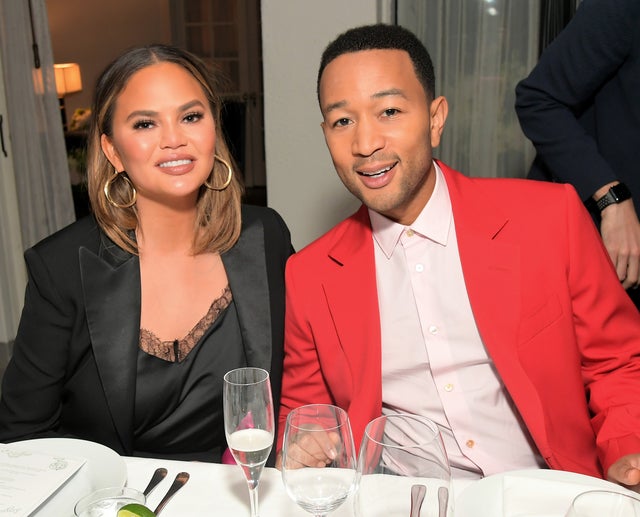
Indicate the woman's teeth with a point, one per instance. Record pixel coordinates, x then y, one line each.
175 163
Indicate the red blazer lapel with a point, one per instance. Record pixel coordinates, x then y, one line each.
352 298
491 264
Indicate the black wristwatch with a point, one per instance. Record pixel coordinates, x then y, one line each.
617 194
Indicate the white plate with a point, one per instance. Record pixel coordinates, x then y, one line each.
526 493
104 468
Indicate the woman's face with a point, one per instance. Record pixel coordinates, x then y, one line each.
164 135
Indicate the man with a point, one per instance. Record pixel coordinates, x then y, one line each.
580 107
452 297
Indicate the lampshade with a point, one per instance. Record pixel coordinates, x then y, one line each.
68 78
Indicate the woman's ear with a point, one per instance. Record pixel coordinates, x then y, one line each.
438 110
111 152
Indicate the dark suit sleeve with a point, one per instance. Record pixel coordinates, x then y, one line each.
33 382
560 90
278 249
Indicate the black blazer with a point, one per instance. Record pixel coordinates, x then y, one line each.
580 105
73 369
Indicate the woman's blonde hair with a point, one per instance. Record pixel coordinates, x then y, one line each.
218 218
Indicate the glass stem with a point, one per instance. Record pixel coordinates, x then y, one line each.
253 497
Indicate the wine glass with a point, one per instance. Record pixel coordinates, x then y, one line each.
249 423
604 502
322 485
402 458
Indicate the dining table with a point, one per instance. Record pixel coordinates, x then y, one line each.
217 489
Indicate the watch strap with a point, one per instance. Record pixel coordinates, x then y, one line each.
616 194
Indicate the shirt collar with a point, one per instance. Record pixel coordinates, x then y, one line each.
433 222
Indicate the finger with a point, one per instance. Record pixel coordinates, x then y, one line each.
633 272
297 457
621 263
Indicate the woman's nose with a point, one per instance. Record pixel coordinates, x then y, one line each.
172 136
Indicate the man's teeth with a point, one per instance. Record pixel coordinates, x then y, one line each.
175 163
377 173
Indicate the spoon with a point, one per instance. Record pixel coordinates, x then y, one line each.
158 476
180 480
443 499
417 497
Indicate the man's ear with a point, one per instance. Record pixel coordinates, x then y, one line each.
438 111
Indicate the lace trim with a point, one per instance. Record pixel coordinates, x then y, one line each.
177 349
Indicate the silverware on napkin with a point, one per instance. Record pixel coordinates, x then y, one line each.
417 497
443 500
158 476
180 480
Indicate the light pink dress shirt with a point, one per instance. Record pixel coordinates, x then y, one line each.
433 360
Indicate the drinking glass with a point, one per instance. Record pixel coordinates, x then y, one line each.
601 503
403 469
249 424
318 489
106 502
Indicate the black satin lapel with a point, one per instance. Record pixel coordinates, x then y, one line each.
246 268
112 297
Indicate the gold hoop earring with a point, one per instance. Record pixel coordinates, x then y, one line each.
229 174
107 190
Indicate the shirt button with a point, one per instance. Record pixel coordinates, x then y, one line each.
409 232
419 268
449 387
433 329
470 444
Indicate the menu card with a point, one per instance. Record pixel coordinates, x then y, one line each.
28 478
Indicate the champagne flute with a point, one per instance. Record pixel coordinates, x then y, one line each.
249 423
402 458
315 429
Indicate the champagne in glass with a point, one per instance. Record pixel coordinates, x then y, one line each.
318 458
249 423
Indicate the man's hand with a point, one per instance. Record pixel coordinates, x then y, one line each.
316 449
626 471
620 231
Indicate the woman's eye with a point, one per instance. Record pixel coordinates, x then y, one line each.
193 117
143 124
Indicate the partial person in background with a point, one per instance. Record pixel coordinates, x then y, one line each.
580 106
134 314
487 305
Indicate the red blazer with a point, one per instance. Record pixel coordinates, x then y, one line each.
562 332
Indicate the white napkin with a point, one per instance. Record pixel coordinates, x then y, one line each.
533 496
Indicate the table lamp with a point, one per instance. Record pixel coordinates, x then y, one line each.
68 80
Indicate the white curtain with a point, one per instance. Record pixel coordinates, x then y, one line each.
36 141
480 50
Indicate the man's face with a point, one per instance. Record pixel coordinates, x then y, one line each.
380 129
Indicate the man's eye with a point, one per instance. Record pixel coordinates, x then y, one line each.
341 122
390 112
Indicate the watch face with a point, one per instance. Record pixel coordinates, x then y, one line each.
616 194
620 193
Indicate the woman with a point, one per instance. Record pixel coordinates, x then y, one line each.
133 315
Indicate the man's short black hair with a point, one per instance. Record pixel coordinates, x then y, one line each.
379 37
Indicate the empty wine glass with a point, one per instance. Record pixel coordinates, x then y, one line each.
322 431
403 469
249 423
598 503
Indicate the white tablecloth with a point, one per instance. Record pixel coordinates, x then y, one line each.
219 490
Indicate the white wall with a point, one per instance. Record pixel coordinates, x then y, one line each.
301 181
